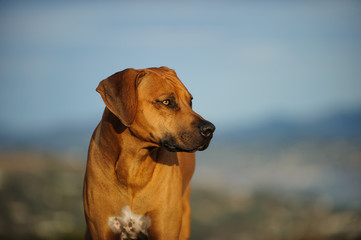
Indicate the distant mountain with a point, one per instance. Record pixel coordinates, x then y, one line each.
344 125
69 137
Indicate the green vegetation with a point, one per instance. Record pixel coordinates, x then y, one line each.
265 215
40 198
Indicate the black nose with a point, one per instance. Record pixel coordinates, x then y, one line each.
207 129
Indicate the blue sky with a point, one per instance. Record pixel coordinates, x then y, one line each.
243 61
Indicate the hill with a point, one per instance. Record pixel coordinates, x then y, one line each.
76 136
339 125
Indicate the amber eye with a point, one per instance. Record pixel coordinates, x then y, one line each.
166 102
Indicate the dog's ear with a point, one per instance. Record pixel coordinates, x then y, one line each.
119 93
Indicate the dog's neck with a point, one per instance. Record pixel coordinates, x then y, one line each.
132 158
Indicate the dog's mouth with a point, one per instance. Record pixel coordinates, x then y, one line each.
171 146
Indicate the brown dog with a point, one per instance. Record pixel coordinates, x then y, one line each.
141 157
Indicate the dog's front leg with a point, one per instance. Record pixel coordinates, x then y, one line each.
186 216
166 223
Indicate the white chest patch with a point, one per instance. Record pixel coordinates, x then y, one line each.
130 225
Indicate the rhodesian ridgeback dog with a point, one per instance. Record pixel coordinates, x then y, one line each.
141 157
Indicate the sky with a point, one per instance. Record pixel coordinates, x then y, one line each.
243 61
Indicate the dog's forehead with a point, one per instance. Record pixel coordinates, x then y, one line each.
162 82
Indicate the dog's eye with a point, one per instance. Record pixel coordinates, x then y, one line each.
169 103
166 102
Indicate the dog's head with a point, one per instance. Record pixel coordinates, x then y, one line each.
156 107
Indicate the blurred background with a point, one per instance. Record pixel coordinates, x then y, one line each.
281 80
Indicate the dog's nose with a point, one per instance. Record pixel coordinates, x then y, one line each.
207 129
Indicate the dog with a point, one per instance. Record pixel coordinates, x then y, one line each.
141 157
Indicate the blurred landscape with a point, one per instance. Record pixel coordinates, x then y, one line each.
279 79
280 179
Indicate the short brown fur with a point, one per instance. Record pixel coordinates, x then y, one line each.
142 154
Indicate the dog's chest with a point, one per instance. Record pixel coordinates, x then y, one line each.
165 185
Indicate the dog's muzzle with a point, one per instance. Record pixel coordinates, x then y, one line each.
191 141
206 129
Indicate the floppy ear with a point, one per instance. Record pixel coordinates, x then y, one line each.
119 93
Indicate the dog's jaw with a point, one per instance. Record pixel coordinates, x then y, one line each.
171 146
